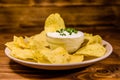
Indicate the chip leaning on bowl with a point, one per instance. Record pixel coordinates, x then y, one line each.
38 48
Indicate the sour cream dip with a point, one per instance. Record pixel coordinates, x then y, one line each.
71 42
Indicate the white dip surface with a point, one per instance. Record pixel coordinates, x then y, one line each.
67 35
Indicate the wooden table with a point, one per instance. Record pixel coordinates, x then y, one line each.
107 69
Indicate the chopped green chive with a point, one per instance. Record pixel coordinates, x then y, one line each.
69 30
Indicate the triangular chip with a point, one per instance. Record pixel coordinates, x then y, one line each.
54 22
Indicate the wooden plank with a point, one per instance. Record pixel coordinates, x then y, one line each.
33 13
32 16
58 2
14 2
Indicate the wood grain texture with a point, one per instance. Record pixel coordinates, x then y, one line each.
32 16
30 13
107 69
61 2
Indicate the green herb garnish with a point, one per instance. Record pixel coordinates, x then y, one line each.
69 30
62 34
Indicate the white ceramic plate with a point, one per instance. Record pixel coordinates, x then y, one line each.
61 66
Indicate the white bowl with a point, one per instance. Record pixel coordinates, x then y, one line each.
70 42
61 66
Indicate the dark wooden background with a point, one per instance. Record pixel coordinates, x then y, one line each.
81 13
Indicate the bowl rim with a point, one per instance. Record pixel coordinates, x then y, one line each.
108 52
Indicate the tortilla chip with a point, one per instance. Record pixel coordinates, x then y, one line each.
54 22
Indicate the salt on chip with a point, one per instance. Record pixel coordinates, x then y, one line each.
54 22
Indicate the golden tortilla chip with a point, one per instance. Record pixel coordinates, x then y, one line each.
54 22
24 54
95 50
76 58
58 56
